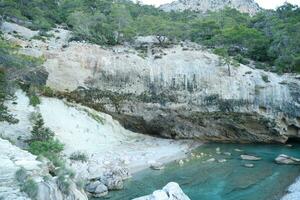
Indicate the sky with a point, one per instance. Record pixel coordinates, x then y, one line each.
267 4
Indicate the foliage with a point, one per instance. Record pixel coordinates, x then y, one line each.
21 175
34 100
42 141
11 61
271 37
225 59
265 78
39 132
64 179
79 156
28 185
47 148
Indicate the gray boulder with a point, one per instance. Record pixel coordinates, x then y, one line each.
287 160
112 181
96 189
249 157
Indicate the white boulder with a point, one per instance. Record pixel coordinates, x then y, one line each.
171 191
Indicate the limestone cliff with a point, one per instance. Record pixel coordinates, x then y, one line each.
178 92
245 6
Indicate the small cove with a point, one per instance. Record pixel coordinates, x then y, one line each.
230 180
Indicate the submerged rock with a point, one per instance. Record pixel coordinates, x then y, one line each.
157 166
181 162
211 160
238 150
227 153
171 191
249 165
222 160
287 160
249 157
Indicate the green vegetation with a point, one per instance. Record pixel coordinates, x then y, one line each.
30 187
79 156
34 100
43 144
27 185
64 179
42 141
270 37
10 62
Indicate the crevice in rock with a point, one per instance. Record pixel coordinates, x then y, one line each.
293 130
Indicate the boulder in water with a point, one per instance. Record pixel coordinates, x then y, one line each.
287 160
157 166
249 165
249 157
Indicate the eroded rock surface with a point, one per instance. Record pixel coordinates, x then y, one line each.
178 92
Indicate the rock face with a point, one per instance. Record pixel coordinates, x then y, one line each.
287 160
185 94
245 6
179 92
293 192
171 191
13 159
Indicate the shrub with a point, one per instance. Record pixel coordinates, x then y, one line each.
34 100
30 187
39 132
47 91
79 156
21 175
64 179
46 148
27 185
265 78
42 141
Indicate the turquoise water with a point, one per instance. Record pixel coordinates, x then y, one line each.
201 180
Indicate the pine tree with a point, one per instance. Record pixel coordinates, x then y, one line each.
39 132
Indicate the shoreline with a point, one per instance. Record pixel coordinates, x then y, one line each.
293 191
167 159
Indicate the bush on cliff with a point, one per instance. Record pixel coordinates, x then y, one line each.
42 142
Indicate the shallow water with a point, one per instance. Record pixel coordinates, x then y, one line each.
202 180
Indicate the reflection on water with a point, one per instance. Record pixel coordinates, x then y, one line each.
230 180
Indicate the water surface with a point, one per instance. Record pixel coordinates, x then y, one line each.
230 180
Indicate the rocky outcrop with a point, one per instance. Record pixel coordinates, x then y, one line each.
19 168
287 160
169 192
108 181
293 192
184 94
245 6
